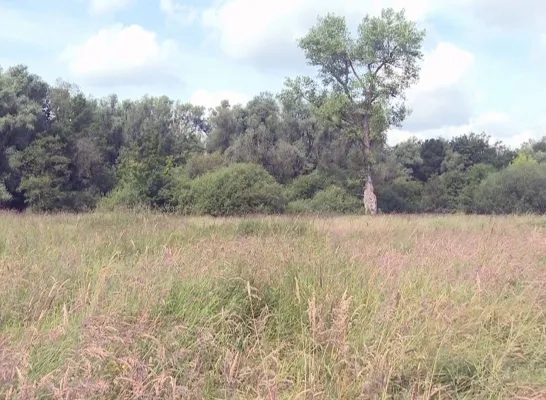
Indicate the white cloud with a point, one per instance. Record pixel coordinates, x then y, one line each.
108 6
444 106
444 67
210 99
441 97
179 12
505 127
496 121
253 29
509 14
444 103
122 55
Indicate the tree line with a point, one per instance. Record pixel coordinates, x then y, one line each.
317 146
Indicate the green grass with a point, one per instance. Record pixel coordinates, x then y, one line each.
152 306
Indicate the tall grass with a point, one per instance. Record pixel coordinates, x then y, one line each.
152 306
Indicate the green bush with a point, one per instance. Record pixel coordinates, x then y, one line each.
148 183
201 164
333 199
181 195
124 196
401 196
475 175
519 188
454 191
306 186
237 190
152 193
435 196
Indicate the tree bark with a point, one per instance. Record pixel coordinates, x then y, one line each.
369 198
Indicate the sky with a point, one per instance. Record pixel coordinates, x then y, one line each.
483 69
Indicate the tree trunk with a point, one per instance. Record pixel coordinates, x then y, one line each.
369 198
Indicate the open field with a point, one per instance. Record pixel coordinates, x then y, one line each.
153 306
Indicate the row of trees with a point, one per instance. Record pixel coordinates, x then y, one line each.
317 146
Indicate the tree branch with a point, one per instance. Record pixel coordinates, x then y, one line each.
354 71
305 97
345 88
389 58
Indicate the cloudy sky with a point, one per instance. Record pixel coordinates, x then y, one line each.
483 68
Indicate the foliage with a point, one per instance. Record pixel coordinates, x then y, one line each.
400 196
376 67
46 174
203 163
237 190
433 153
306 186
520 188
123 196
333 199
523 158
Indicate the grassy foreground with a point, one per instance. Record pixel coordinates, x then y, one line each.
128 306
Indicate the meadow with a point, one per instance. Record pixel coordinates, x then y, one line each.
148 306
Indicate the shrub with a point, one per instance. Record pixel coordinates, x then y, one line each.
306 186
153 193
181 196
237 190
475 175
519 188
401 195
204 163
454 191
147 184
333 199
123 196
435 196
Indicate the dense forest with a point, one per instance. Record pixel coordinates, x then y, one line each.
295 151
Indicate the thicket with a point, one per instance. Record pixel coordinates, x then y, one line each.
62 150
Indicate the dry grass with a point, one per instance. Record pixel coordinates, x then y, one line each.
149 306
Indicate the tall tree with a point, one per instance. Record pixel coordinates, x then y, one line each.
433 153
408 153
226 124
299 127
366 77
262 141
22 116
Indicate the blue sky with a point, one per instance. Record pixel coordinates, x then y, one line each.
483 67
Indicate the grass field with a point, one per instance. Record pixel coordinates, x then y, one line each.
128 306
